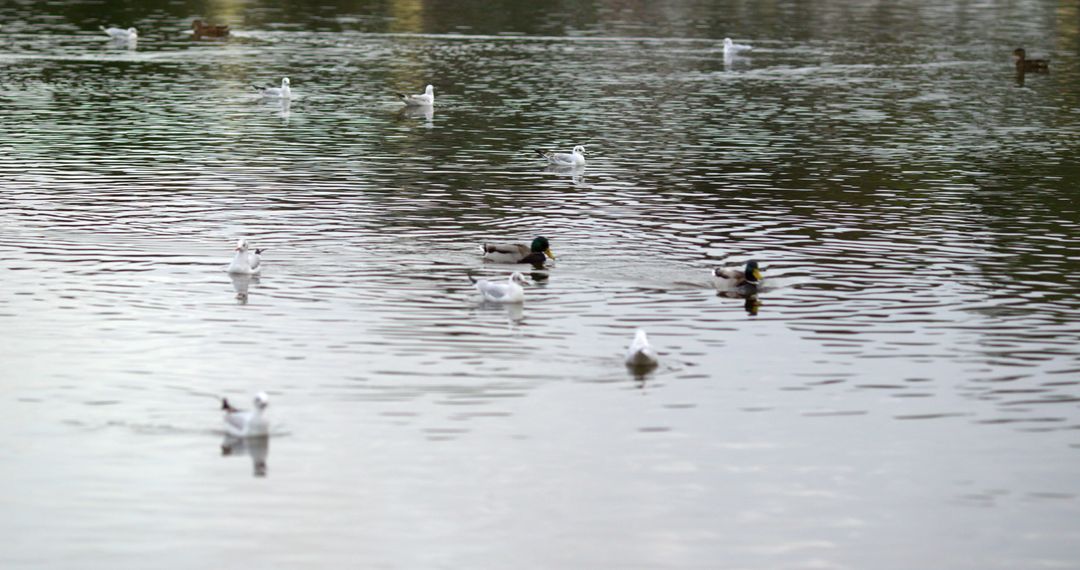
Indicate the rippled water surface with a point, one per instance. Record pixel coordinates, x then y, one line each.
904 393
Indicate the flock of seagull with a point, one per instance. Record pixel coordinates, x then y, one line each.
640 355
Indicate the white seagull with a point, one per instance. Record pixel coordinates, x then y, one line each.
640 354
731 48
427 98
508 292
240 423
245 262
282 92
573 158
120 34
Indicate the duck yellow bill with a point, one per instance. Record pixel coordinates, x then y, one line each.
757 275
548 253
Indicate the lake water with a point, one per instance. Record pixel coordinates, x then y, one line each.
905 392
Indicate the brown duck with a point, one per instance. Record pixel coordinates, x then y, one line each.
1023 64
201 29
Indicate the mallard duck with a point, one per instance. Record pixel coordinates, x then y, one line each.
508 292
517 252
245 262
240 423
425 98
201 29
283 92
575 158
731 278
1023 64
640 354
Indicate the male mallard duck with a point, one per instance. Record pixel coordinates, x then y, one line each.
574 158
640 354
239 423
427 98
518 253
509 292
201 29
731 278
245 262
1023 64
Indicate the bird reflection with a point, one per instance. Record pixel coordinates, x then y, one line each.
425 112
284 111
241 284
576 173
255 447
749 295
515 312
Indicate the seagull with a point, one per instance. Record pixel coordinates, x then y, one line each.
120 34
509 292
731 48
573 158
245 262
640 354
240 423
426 98
282 92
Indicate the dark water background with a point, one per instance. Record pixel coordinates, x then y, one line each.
905 395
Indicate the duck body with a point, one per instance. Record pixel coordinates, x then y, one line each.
244 423
509 291
427 98
283 92
534 253
245 262
1024 64
640 353
574 158
730 278
201 29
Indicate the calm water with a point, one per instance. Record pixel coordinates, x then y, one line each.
906 394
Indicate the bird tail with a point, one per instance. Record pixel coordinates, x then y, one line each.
471 278
102 28
541 153
403 96
225 405
259 251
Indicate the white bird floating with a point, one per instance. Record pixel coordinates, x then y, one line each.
640 354
574 158
282 92
508 292
731 48
241 423
427 98
245 262
120 34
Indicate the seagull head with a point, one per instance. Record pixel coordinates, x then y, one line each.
262 400
241 244
429 90
579 149
133 31
517 277
728 44
284 81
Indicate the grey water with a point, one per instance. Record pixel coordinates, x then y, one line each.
903 393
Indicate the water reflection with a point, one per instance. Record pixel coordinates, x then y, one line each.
425 112
257 448
241 284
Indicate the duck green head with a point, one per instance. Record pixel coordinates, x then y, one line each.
540 245
753 273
